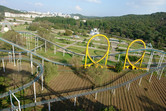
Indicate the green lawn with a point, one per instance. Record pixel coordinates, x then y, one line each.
1 34
20 28
63 41
92 52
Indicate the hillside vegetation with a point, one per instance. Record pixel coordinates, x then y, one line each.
4 9
151 28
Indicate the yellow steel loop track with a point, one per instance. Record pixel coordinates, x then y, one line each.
132 65
105 55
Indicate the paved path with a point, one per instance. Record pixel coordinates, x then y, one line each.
113 46
4 24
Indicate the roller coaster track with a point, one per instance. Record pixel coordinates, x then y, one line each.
67 50
71 96
28 84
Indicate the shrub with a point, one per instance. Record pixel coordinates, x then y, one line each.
120 50
68 32
33 26
119 66
111 108
131 58
50 71
76 64
14 37
97 74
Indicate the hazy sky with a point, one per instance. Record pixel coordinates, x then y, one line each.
89 7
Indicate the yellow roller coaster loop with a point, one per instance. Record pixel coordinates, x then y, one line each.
105 55
132 66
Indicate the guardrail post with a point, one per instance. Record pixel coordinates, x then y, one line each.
14 59
42 81
49 107
150 76
82 57
11 102
96 96
20 57
128 86
37 69
34 91
12 105
42 74
18 65
10 57
150 61
113 91
43 62
63 53
161 73
118 57
75 100
140 81
3 65
31 64
54 49
160 62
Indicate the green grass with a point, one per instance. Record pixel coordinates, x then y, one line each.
51 71
1 34
63 41
136 45
20 28
123 45
55 57
81 50
81 44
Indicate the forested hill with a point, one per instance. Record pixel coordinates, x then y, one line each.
150 28
6 9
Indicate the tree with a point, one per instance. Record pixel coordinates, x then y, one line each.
33 26
14 37
14 20
26 23
68 32
119 66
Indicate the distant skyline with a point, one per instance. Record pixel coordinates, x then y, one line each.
89 7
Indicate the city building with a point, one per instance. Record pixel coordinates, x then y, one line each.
76 17
33 14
